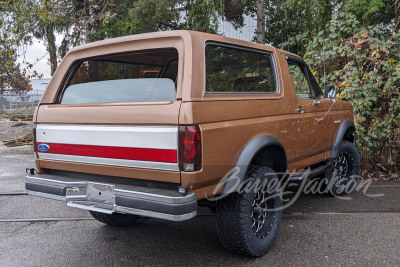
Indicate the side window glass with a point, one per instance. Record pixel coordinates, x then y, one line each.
235 70
300 82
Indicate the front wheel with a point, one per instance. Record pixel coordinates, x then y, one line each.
248 222
342 177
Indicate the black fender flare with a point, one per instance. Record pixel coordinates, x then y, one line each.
246 156
344 127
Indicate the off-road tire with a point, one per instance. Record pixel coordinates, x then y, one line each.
115 219
350 154
235 221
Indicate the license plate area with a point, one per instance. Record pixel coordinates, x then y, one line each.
100 193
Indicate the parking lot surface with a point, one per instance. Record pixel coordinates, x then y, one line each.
316 230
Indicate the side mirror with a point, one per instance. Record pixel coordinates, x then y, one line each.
330 92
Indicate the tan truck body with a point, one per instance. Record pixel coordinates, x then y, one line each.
157 124
228 122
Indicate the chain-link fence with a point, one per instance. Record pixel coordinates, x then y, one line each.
18 105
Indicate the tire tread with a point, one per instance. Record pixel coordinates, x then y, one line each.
231 220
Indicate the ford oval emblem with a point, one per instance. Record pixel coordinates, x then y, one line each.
43 147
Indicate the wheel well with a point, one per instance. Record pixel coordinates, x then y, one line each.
349 136
272 156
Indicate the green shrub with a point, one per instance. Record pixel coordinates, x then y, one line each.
363 64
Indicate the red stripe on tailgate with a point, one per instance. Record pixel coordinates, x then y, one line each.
144 154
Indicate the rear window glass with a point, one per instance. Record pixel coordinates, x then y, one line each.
145 76
235 70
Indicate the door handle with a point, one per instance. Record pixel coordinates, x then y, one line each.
300 110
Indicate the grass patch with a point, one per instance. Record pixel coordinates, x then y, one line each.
5 117
20 141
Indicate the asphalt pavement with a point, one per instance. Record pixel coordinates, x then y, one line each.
315 231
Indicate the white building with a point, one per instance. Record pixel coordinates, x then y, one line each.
225 28
38 86
245 33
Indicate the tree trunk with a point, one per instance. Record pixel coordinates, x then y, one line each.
260 4
51 47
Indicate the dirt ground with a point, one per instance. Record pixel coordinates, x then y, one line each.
13 129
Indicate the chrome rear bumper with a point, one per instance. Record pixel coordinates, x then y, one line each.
110 198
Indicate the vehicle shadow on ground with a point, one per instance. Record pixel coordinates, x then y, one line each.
169 243
196 239
179 243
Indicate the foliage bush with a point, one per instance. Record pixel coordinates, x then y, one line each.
363 64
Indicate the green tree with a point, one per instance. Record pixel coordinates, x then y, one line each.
372 12
75 21
11 76
289 22
154 15
203 15
48 19
42 19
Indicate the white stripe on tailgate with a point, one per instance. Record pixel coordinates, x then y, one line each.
112 162
161 137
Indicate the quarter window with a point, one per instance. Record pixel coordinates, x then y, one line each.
234 70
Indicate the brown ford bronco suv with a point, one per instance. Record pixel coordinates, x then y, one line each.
157 124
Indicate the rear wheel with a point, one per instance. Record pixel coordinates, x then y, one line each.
342 177
115 219
248 222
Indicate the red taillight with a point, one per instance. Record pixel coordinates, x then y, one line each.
189 148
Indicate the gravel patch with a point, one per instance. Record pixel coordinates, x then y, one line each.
12 129
17 150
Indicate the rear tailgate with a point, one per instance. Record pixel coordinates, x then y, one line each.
114 114
111 140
